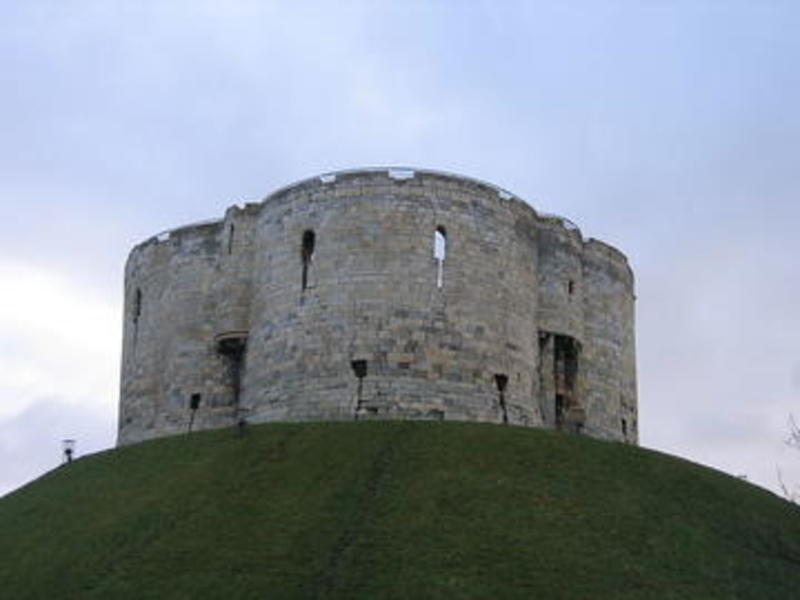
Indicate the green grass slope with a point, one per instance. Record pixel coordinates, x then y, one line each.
394 510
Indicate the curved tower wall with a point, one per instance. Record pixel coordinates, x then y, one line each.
169 323
610 362
372 294
523 322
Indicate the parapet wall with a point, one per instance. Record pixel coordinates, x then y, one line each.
330 300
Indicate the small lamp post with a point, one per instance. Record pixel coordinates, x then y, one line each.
360 371
194 404
69 450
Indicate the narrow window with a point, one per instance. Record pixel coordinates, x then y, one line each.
306 253
624 428
439 253
231 231
137 305
571 287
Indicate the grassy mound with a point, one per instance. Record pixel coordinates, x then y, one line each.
394 510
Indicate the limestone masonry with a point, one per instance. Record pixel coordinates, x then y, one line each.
379 294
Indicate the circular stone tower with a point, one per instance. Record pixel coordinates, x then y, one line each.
379 294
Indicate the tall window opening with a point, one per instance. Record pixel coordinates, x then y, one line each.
231 231
559 410
440 253
569 411
306 253
559 390
232 348
137 305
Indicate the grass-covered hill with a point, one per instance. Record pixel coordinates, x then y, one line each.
394 510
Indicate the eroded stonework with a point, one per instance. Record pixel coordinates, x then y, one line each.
379 294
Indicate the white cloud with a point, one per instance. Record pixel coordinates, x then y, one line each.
55 340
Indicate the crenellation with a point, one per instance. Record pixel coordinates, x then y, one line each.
272 312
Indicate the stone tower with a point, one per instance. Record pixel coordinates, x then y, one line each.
379 294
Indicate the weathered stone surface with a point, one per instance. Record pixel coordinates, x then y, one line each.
263 326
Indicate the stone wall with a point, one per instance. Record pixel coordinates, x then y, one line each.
326 301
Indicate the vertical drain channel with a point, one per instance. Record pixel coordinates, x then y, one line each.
501 379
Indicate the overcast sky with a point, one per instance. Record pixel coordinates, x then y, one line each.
668 129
